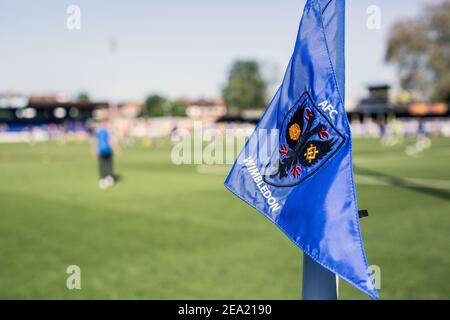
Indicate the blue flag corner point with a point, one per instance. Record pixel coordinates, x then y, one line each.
296 167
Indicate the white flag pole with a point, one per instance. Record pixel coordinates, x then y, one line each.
318 282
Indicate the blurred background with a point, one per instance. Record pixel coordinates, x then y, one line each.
156 68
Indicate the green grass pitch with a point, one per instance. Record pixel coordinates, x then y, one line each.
174 232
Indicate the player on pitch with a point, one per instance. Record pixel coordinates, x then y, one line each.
104 149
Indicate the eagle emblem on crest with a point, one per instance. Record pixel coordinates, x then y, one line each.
307 140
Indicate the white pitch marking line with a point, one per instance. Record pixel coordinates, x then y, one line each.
412 182
359 179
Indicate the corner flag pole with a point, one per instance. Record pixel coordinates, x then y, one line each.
318 282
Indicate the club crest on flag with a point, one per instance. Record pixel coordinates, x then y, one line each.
307 141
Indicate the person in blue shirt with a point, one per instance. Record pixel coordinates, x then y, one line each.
104 150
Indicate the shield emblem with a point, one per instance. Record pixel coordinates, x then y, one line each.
307 141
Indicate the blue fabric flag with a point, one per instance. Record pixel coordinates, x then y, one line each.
296 168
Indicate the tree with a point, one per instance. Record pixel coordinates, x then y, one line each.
421 50
178 109
158 106
246 89
154 106
83 97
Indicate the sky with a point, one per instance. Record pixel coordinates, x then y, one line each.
177 48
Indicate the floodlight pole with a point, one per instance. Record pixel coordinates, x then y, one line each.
318 282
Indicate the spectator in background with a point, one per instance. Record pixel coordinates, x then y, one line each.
104 149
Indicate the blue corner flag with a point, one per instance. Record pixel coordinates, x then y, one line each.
296 168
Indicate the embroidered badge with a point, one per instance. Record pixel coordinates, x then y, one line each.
307 141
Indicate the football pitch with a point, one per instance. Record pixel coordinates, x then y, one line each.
174 232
